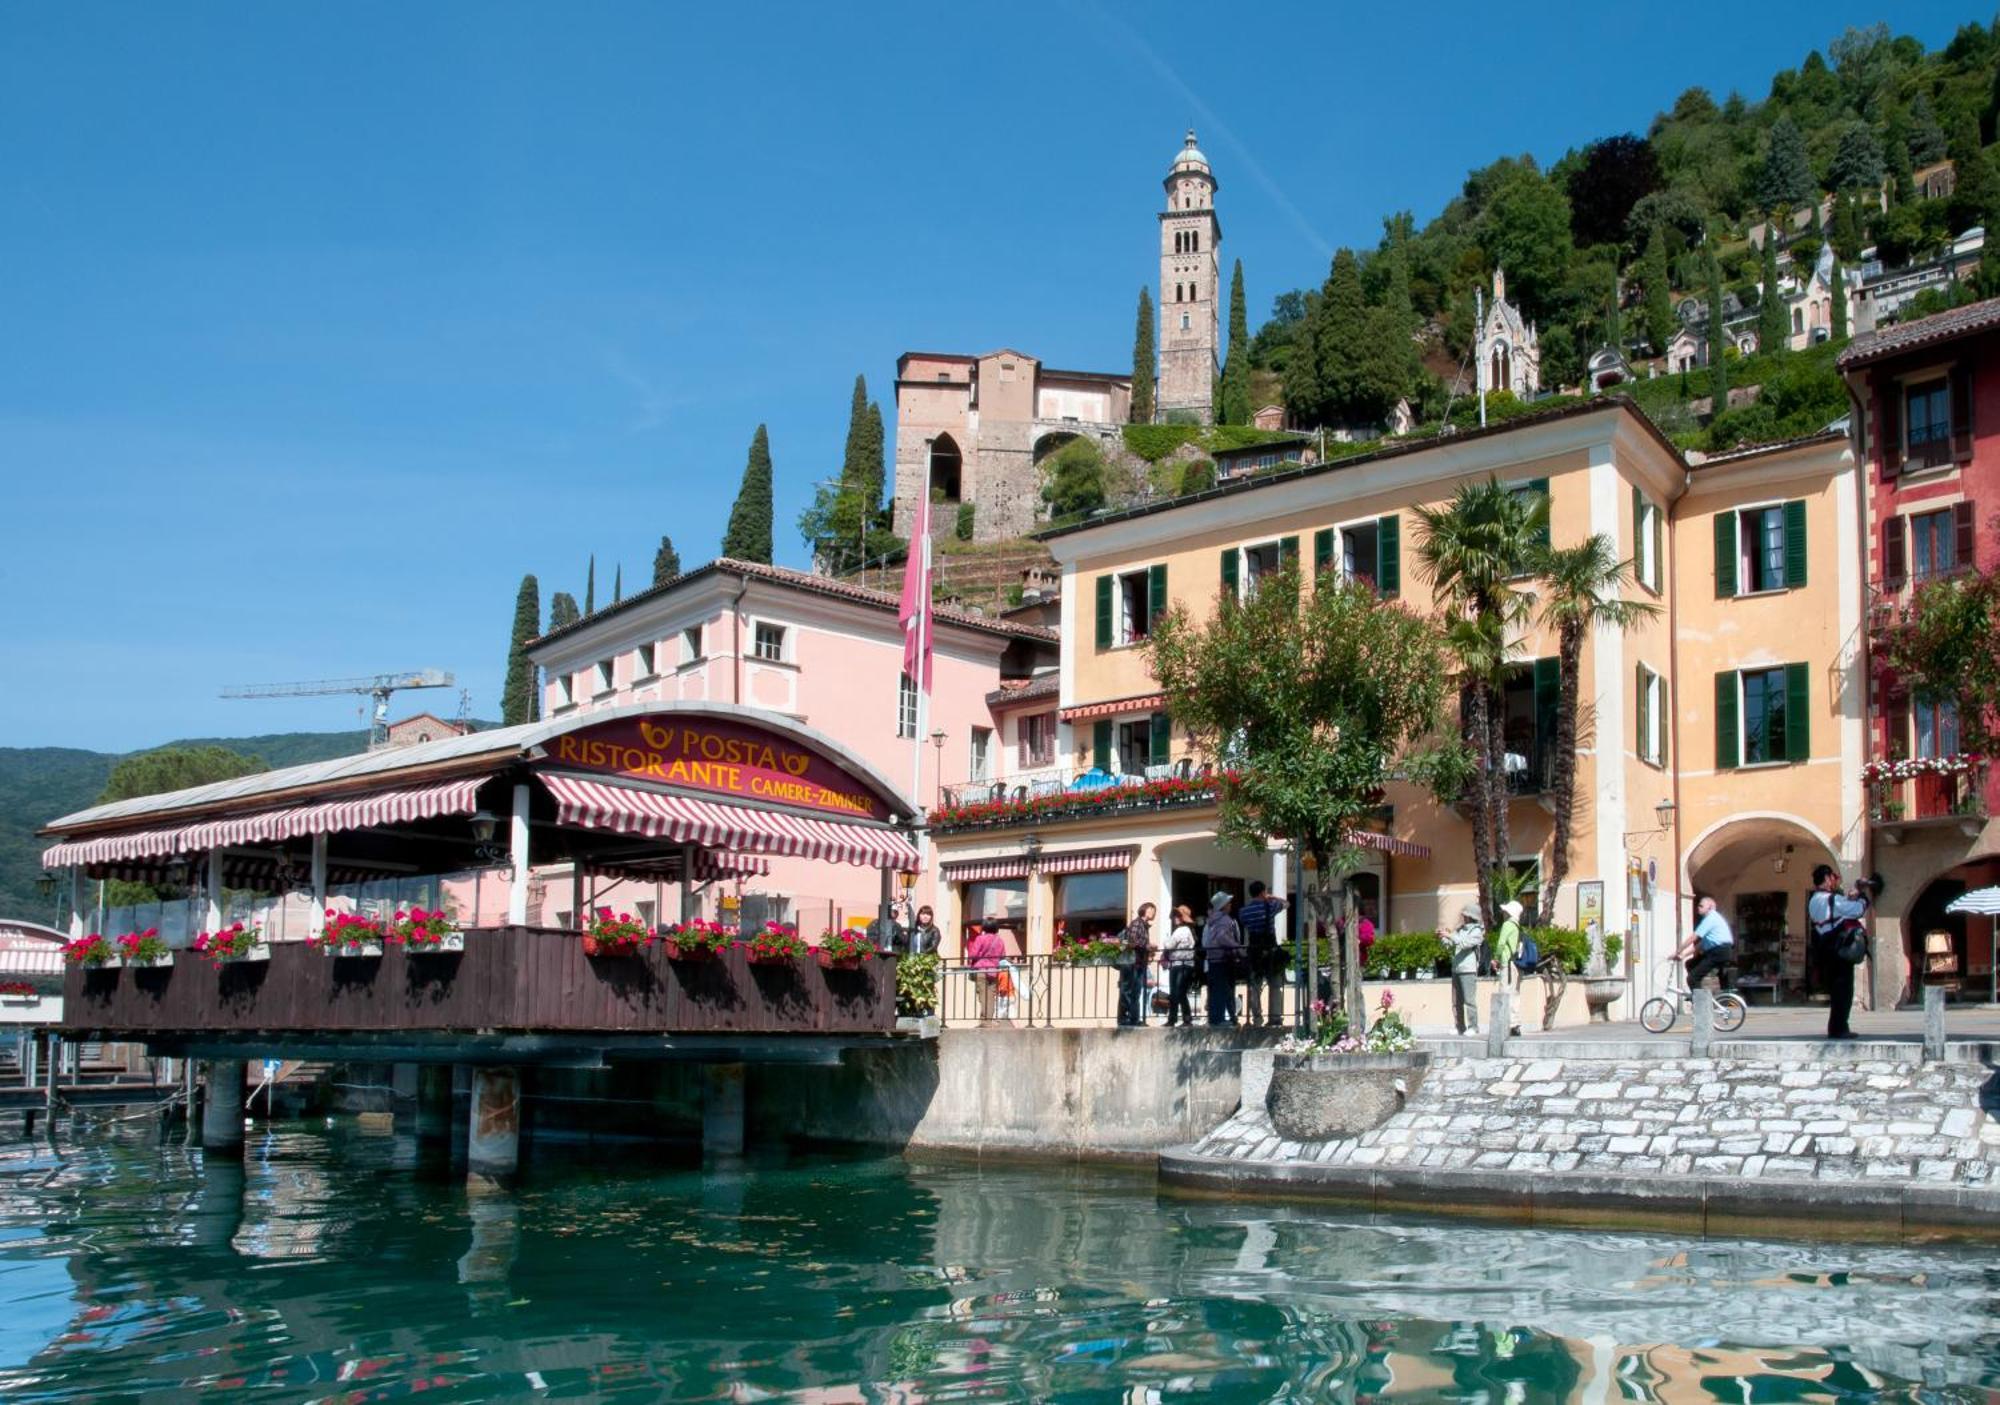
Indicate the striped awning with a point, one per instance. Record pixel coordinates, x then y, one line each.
259 872
686 819
1091 860
1083 712
381 807
983 870
41 959
1388 844
710 865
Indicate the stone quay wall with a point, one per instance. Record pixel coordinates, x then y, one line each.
1784 1131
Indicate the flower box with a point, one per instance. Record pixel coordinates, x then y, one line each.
360 947
424 933
776 945
619 934
19 993
696 941
144 950
350 934
232 945
843 949
611 946
447 942
162 961
94 952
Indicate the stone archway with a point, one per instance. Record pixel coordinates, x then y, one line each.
1049 443
1971 939
947 469
1758 868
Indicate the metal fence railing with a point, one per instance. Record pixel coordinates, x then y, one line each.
1042 992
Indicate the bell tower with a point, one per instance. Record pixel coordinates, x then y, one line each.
1190 295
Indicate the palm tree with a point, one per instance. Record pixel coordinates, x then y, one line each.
1476 553
1580 596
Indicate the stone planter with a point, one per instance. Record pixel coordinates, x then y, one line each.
150 963
454 941
1322 1097
355 949
1599 992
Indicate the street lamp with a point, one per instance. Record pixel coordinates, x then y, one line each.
937 742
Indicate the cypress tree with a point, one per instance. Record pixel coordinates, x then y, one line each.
520 700
1774 324
1614 320
562 611
1659 305
1839 293
876 448
1718 340
666 562
1144 367
1401 307
748 537
1303 400
1236 370
1924 138
618 583
853 467
590 586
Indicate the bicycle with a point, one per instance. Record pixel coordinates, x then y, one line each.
1657 1015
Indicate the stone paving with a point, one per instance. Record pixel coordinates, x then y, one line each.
1875 1119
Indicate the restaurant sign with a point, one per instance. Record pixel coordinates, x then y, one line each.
723 757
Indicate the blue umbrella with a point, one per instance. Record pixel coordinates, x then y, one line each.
1093 779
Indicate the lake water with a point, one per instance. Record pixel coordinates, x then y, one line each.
332 1265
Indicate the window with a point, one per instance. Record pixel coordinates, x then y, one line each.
1528 725
1129 748
606 675
1759 549
1135 746
1761 537
981 764
1763 716
1798 321
1362 551
1927 415
906 705
1091 905
1128 604
1648 534
1261 561
565 690
1535 493
1038 740
642 661
944 375
691 644
1932 538
1937 728
1652 733
1185 323
768 642
1135 611
1244 566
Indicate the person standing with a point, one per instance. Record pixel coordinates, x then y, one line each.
1507 946
1178 954
1364 934
1222 944
1135 949
1258 920
986 951
924 934
1836 919
1710 947
1467 940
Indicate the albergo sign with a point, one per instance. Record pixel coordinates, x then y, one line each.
710 754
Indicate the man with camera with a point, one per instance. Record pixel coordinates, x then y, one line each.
1839 941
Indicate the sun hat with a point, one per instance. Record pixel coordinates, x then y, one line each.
1512 909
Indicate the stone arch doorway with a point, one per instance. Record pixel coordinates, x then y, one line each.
1970 940
947 469
1758 868
1049 443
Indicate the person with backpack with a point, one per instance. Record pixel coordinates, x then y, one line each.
1839 944
1512 956
1259 921
1222 947
1135 945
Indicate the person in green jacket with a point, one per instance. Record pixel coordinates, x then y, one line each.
1507 946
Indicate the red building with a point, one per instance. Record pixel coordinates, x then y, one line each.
1927 427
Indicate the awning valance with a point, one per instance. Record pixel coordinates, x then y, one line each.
710 865
1083 712
684 819
1091 860
1388 844
983 870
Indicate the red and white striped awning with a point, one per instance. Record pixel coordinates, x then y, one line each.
1083 712
327 817
1091 860
656 814
710 865
1388 844
983 870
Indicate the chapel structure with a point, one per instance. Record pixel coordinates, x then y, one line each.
1510 350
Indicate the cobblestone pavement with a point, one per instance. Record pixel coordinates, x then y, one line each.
1875 1120
1981 1023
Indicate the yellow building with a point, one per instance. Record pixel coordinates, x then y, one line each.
1721 741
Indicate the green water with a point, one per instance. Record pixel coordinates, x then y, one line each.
333 1266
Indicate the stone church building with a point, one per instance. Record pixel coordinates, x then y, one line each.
976 428
1509 349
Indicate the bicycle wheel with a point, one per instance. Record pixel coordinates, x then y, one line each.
1729 1012
1656 1016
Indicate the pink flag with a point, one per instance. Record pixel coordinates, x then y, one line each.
914 614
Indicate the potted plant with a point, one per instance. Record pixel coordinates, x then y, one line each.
19 992
1340 1084
844 949
147 948
350 934
94 952
614 934
1085 953
696 941
775 943
425 932
233 944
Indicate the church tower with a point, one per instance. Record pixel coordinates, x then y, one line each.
1190 295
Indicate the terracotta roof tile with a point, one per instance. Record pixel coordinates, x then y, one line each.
1907 336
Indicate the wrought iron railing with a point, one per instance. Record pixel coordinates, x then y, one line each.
1041 992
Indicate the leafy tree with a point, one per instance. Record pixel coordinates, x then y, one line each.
1236 369
1304 398
1845 231
1614 175
1774 323
1946 646
1562 361
1975 200
846 526
1838 292
1785 181
1524 229
1309 708
520 699
1579 595
666 562
1144 360
1675 210
1924 137
590 586
1361 374
1474 553
748 537
1857 163
1659 304
1074 480
562 611
1270 349
1718 339
175 768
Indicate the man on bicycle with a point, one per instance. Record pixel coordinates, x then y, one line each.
1711 947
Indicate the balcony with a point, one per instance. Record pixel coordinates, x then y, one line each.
1064 793
1925 792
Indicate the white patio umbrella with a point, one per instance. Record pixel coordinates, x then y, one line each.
1984 902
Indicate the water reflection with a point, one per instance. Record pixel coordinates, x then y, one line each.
319 1269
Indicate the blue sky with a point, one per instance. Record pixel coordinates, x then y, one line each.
324 323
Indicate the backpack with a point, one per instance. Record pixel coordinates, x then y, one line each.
1528 957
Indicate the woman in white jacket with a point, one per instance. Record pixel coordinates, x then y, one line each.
1177 951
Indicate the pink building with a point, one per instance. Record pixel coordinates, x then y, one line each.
824 653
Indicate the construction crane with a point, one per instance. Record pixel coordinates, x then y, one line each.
378 687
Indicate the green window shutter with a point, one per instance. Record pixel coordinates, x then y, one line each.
1322 551
1231 561
1288 551
1389 555
1156 593
1725 557
1104 612
1163 739
1659 553
1548 691
1100 744
1726 698
1798 712
1645 716
1666 720
1795 543
1638 523
1541 485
